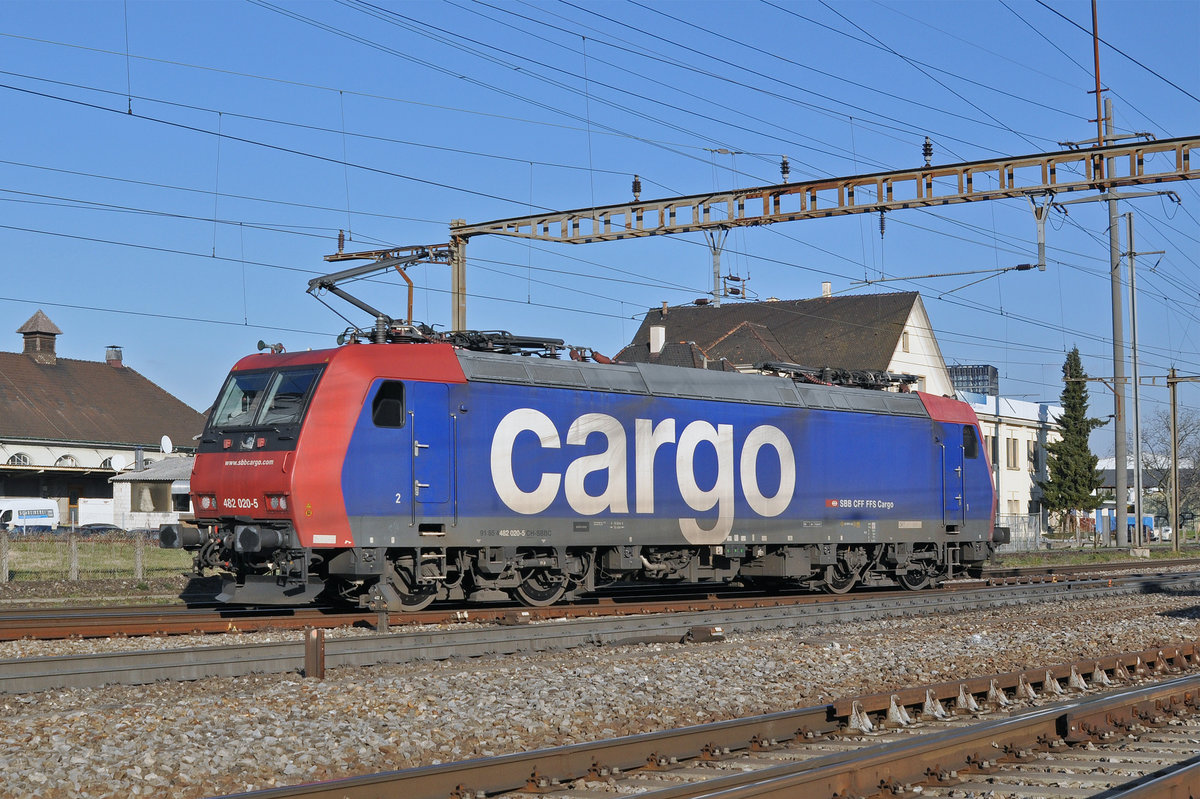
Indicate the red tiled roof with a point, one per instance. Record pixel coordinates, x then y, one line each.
88 401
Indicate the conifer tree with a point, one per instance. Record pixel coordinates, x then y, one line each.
1073 479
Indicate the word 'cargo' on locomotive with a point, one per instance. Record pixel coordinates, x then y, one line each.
393 474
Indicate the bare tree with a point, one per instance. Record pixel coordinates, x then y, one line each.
1156 462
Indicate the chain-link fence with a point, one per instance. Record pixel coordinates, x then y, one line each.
1025 530
100 554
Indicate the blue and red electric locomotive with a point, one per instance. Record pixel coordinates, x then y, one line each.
398 473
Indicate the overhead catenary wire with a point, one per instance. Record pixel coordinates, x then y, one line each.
1084 273
290 150
267 145
1119 51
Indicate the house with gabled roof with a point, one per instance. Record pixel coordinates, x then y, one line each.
67 426
876 332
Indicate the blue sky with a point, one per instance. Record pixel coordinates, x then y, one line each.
187 230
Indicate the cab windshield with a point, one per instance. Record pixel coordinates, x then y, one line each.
265 399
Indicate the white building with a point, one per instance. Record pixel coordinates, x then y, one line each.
153 496
1015 435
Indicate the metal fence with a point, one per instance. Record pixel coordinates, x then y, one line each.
72 555
1025 530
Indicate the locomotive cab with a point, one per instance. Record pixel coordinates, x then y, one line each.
242 484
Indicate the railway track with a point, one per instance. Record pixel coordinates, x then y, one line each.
310 653
1122 726
109 621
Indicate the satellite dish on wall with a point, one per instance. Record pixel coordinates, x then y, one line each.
118 462
165 445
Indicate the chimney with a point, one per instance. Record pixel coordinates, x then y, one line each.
658 337
40 333
826 289
664 310
112 356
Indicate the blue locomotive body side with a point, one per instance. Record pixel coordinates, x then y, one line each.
530 462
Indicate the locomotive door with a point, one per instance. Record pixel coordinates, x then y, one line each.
954 506
430 444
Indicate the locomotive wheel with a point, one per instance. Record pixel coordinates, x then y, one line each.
412 596
839 578
539 589
915 579
410 603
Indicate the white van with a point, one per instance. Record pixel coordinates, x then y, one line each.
28 514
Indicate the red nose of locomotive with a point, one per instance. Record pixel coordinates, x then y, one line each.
242 484
242 477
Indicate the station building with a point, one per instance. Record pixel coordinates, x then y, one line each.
68 426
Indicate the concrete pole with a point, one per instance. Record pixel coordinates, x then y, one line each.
1137 418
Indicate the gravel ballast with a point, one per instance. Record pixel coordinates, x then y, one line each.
209 737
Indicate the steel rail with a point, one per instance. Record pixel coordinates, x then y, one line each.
102 622
888 766
130 668
1177 781
105 621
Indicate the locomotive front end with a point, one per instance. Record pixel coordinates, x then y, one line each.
242 483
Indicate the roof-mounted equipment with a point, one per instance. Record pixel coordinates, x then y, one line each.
385 328
828 376
503 342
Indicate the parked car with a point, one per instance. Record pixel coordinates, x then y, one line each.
98 528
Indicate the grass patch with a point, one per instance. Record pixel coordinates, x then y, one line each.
1086 556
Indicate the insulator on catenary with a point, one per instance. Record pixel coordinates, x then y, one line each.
927 151
637 188
785 168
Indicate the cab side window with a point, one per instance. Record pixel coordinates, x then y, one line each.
970 443
387 409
